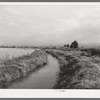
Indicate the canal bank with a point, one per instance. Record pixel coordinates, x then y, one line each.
43 78
17 68
76 71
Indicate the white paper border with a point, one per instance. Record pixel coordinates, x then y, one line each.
48 93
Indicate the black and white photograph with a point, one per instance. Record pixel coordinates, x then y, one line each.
50 46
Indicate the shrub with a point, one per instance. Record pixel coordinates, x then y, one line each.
94 52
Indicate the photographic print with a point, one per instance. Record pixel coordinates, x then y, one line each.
50 46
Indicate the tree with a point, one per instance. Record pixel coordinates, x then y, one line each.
67 45
74 44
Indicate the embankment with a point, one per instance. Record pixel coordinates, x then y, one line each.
19 67
76 71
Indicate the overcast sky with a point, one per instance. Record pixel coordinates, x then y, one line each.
49 24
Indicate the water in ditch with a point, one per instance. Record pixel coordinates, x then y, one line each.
43 78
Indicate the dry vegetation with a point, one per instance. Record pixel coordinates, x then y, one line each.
16 68
79 69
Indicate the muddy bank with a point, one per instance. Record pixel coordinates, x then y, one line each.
19 67
76 71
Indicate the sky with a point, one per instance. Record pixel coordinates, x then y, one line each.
37 25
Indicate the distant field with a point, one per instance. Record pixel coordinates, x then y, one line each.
9 53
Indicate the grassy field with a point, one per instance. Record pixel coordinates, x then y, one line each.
79 69
10 53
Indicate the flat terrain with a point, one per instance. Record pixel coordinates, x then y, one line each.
72 69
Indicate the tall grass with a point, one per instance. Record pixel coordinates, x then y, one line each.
91 52
76 72
12 69
11 53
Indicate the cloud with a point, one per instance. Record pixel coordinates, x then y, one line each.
40 25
